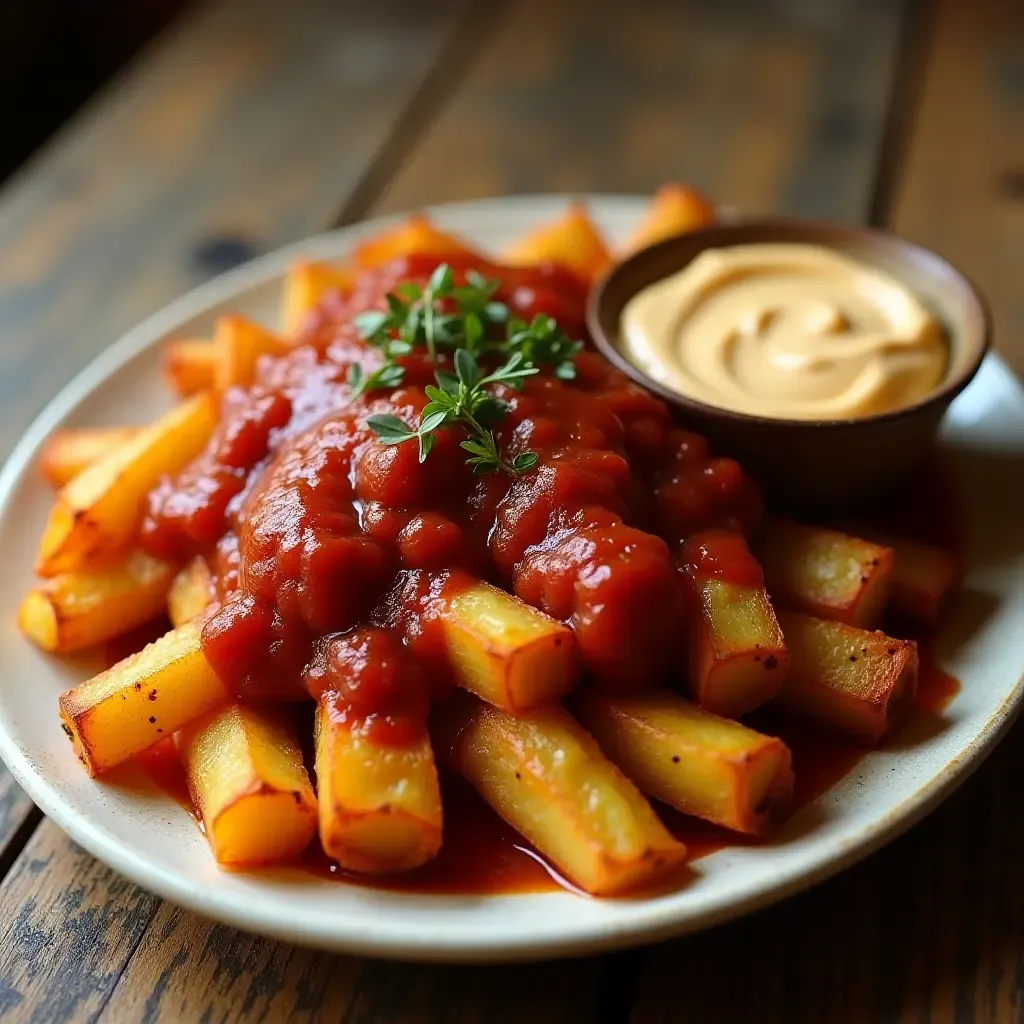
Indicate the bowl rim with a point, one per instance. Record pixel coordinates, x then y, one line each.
940 397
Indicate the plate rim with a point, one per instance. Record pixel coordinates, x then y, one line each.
232 908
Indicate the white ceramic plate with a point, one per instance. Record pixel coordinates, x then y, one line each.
141 833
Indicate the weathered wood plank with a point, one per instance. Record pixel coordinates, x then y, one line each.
930 929
926 932
67 927
962 189
771 107
189 969
244 128
17 818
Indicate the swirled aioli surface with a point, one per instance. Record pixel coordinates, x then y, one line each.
787 331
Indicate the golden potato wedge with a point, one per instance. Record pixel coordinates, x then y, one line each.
572 240
416 236
694 761
824 572
192 590
68 452
96 514
858 682
83 608
550 781
737 655
247 779
923 576
674 210
506 652
146 696
240 343
379 805
189 365
304 286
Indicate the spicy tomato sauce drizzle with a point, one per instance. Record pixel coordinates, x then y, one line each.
322 519
331 550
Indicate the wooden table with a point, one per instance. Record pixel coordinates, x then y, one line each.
252 124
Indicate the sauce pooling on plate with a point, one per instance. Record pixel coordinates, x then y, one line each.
789 331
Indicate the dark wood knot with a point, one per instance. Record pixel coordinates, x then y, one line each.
218 253
1011 183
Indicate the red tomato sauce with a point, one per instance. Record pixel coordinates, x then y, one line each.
311 521
722 555
334 554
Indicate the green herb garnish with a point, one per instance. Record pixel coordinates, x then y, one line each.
461 399
467 321
543 342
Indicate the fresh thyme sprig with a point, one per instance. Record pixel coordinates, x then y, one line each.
416 317
383 378
469 322
543 342
461 399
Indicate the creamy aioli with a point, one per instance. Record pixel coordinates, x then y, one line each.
788 331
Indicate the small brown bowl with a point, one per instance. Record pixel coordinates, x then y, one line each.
813 462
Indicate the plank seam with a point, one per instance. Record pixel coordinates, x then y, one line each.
143 931
915 44
19 839
476 24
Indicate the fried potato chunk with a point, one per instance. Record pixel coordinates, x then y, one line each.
240 343
674 210
923 576
738 658
416 236
572 240
246 776
824 572
694 761
97 513
189 365
547 777
143 698
506 652
83 608
192 590
858 682
305 285
68 452
379 804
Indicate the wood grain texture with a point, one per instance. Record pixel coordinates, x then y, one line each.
929 931
962 188
189 969
67 927
246 127
773 106
18 816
